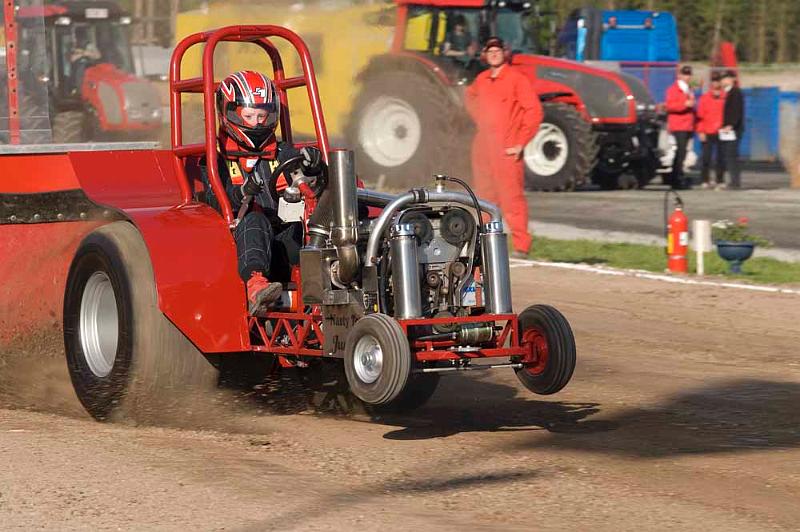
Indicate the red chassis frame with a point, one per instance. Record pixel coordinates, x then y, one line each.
298 330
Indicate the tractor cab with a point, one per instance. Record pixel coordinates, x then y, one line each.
79 39
453 36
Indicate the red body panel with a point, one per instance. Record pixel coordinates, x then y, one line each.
191 248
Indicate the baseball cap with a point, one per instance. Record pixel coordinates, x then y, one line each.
494 42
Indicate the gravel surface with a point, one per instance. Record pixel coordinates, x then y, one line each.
682 414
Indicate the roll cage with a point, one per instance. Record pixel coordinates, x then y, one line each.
207 84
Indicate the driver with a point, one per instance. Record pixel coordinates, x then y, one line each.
249 109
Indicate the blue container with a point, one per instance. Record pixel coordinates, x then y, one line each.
762 124
735 253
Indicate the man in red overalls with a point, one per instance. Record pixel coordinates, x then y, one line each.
507 113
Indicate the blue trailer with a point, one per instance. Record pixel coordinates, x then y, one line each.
642 43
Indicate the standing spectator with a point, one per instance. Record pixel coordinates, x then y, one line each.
507 113
709 122
732 127
680 106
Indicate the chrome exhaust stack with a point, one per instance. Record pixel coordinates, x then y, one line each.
344 233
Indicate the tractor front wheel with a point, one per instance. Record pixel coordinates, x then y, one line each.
550 361
69 127
377 359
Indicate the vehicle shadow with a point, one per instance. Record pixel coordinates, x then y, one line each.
730 416
721 417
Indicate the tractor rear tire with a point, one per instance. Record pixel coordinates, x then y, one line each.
125 358
69 127
563 153
549 366
377 359
405 129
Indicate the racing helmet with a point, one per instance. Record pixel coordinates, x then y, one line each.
243 90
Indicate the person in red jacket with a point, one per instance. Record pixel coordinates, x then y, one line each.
507 113
709 121
680 106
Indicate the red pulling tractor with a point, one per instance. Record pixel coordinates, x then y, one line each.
419 288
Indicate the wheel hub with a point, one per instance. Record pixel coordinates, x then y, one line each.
535 360
390 131
546 154
368 359
99 324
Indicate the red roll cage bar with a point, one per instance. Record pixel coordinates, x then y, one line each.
206 85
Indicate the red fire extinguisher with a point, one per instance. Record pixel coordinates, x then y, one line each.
677 228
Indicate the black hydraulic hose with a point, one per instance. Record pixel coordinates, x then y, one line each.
470 265
472 195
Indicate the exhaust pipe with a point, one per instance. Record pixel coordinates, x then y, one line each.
344 232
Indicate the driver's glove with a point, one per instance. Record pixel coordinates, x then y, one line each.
252 187
312 163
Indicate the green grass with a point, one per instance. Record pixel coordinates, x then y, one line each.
654 259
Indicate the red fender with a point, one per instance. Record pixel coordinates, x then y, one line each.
191 249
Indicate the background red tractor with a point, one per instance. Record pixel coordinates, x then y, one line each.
84 74
410 120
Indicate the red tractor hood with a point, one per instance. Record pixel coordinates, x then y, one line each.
606 96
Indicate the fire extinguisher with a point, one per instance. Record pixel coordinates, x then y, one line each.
677 232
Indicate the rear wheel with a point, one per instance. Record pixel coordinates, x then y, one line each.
69 127
124 356
377 359
550 362
563 152
405 129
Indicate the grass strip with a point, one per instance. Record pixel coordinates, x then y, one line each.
762 270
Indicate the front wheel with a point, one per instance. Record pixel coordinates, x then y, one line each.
550 360
377 359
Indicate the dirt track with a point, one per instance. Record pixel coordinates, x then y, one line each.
683 413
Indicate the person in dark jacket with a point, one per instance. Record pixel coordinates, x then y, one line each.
732 127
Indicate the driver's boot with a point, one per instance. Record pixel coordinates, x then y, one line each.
261 293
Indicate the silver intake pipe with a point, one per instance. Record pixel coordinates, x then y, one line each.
344 233
405 273
414 197
496 273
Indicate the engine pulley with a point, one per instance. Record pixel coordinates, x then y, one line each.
423 229
457 226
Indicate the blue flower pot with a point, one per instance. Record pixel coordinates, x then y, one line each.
735 253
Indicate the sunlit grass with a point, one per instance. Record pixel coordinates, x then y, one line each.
654 259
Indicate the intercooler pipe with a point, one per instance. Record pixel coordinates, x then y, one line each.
413 197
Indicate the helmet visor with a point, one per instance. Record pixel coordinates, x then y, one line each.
253 116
